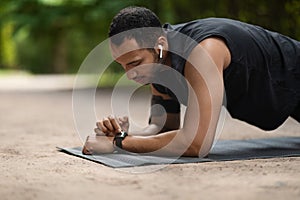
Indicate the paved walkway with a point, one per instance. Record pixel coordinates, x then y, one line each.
37 82
33 124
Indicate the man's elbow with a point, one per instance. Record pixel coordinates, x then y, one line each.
197 150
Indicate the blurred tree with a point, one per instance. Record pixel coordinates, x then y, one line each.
54 36
8 51
46 26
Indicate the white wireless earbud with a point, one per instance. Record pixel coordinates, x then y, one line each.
160 51
131 74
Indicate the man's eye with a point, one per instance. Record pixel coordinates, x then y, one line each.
136 63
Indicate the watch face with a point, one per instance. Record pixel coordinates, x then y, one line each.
122 134
119 138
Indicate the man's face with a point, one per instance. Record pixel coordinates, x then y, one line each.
137 62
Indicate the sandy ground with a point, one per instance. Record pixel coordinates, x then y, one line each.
32 124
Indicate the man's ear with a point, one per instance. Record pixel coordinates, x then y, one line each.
163 42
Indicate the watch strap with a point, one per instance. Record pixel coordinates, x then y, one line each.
119 138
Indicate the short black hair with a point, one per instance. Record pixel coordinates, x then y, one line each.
132 18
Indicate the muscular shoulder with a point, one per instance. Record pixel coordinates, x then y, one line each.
209 58
217 50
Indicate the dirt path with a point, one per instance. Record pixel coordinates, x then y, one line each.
32 124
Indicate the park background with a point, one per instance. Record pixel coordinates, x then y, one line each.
42 45
54 36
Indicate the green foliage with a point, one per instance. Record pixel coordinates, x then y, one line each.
54 36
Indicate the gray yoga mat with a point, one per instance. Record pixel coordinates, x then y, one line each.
224 150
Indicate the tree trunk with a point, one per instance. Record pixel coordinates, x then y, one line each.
60 53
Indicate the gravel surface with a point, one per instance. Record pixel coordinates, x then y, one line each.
34 123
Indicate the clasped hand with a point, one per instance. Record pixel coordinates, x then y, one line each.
106 129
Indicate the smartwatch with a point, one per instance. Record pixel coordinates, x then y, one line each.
119 137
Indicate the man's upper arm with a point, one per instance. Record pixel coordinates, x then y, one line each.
168 115
204 72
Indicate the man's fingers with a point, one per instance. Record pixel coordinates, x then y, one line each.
110 126
115 124
123 119
102 127
107 123
99 132
98 124
124 123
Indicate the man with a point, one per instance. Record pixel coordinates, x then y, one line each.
260 70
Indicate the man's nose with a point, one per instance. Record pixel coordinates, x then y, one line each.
131 74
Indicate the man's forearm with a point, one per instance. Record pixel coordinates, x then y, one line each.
172 143
151 129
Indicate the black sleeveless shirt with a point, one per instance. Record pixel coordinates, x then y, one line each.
262 82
